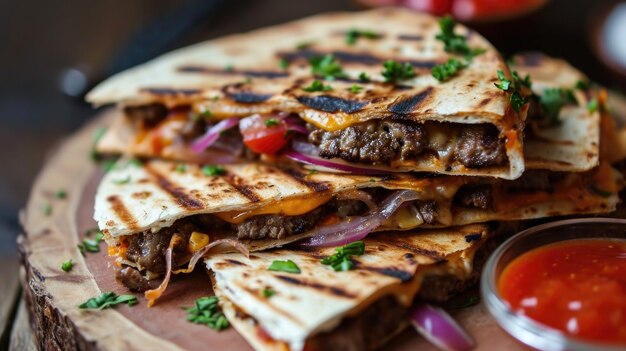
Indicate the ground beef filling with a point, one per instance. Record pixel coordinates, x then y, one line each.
380 142
475 196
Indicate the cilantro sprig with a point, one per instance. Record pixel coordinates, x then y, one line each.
213 170
341 261
454 44
447 70
287 266
395 71
108 299
207 311
326 67
514 87
553 100
91 245
317 85
67 265
353 34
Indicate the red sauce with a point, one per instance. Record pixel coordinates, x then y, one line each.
575 286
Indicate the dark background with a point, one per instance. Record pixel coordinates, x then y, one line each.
39 40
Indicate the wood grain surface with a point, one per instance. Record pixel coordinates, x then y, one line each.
52 296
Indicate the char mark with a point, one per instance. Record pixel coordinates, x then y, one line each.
333 290
410 37
393 272
331 104
230 72
392 239
178 193
235 262
407 105
242 188
122 212
318 187
473 237
171 91
247 97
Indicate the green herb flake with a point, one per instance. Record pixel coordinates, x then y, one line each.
60 194
91 245
582 85
341 260
327 67
553 99
364 78
67 265
284 266
212 170
207 311
122 181
283 63
353 34
453 42
108 299
447 70
592 105
272 122
268 292
395 71
317 85
517 101
505 83
47 209
355 89
181 168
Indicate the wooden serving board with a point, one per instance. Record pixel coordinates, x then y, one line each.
52 296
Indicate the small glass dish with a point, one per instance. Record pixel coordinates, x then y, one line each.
522 328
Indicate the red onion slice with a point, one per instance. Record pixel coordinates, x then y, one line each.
203 251
295 124
211 136
439 328
358 228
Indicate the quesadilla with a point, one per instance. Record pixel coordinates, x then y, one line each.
357 309
145 208
357 91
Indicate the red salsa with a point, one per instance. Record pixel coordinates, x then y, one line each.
575 286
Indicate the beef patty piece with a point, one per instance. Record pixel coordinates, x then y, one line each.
373 142
479 145
132 279
475 196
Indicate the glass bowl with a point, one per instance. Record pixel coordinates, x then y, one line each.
522 328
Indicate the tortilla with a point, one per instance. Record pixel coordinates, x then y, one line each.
318 301
212 76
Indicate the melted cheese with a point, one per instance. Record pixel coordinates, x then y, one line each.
288 207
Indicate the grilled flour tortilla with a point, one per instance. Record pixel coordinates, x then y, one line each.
463 126
144 209
319 310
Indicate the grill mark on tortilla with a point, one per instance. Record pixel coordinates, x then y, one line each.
122 212
332 104
351 57
298 176
405 106
221 71
472 237
317 286
244 189
484 102
170 91
247 97
176 192
391 240
410 37
393 272
235 262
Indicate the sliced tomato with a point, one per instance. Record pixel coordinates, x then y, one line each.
264 134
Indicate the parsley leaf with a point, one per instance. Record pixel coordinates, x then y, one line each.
283 63
553 99
355 89
453 42
447 70
505 83
317 85
67 265
516 99
47 209
206 311
122 181
108 299
268 292
284 266
582 85
363 77
592 105
395 71
60 194
272 122
353 34
341 260
210 170
91 245
326 67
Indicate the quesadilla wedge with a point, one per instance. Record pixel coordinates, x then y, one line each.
355 90
357 309
144 209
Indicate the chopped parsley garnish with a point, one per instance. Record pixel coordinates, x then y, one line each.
272 122
327 67
355 88
516 99
363 77
447 70
592 105
283 63
211 170
582 85
341 261
505 83
47 209
353 34
67 265
91 245
108 299
181 168
553 99
395 71
207 311
122 181
317 85
284 266
519 82
454 43
268 292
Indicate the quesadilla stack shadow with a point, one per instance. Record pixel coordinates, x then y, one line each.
332 171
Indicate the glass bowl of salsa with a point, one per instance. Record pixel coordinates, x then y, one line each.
561 285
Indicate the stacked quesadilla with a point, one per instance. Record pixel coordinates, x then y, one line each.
368 147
